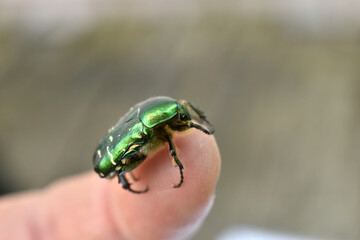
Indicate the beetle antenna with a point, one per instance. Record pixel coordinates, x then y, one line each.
200 114
201 128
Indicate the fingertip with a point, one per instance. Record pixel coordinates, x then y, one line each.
87 207
164 211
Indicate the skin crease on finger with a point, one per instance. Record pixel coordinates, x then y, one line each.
88 207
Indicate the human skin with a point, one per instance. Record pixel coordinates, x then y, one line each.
88 207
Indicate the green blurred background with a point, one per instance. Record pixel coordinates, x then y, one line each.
280 81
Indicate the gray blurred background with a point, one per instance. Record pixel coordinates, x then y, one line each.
280 80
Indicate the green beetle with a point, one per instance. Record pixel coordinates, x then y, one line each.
143 129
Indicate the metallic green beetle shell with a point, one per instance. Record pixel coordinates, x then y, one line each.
132 132
156 112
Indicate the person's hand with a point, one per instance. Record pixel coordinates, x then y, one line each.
88 207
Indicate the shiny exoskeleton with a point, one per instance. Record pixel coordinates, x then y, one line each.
144 128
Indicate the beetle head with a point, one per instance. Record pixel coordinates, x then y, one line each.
183 114
181 120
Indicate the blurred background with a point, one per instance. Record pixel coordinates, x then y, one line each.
280 80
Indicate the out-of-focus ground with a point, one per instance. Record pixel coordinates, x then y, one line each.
281 83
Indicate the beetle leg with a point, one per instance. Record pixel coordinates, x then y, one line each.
132 160
126 184
202 117
177 161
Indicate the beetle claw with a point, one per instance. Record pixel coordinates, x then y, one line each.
126 184
176 186
181 178
135 191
